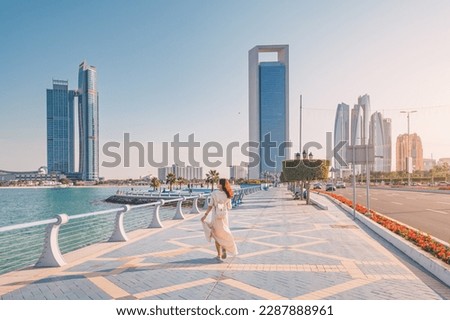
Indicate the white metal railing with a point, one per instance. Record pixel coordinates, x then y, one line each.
45 241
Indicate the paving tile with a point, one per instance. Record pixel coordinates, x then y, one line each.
288 250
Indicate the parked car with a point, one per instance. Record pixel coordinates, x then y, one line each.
297 194
443 183
340 185
317 185
330 187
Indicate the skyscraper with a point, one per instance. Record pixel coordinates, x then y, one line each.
88 122
269 109
60 128
387 160
414 150
360 125
377 139
238 172
341 134
364 103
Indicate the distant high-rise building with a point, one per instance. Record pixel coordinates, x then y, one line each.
428 164
188 172
88 122
387 160
238 172
356 126
415 151
341 134
360 119
60 128
377 139
442 161
269 109
364 103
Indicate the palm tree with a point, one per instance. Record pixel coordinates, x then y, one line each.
180 181
155 183
170 179
212 177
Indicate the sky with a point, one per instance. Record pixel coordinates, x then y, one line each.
181 67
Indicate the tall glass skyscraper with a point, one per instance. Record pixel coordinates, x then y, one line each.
377 139
360 119
387 126
60 128
341 134
88 122
269 109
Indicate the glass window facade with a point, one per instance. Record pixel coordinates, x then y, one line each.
88 122
272 99
341 134
60 128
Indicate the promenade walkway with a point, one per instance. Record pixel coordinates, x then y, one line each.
288 250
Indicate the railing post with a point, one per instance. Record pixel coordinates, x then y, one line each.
179 212
156 221
51 255
195 206
119 233
205 205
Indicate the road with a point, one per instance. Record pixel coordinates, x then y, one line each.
427 212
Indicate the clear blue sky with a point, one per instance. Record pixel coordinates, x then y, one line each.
167 67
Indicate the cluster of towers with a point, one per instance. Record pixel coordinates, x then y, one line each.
61 126
360 128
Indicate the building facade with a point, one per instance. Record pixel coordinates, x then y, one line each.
387 160
428 164
268 110
188 172
39 176
411 146
238 172
341 135
60 128
360 122
377 139
442 161
88 122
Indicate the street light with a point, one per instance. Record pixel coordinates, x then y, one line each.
310 156
408 149
305 154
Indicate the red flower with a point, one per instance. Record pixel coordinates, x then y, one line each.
420 239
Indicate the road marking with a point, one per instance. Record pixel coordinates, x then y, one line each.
443 202
400 204
437 211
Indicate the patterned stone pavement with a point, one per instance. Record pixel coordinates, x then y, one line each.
287 250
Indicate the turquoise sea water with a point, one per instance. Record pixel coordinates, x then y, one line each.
22 248
19 205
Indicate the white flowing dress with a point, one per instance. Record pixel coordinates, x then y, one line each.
220 229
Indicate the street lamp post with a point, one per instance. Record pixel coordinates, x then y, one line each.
408 149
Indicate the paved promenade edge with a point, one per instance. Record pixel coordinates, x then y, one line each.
435 266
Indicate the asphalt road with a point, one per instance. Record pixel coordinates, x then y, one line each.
427 212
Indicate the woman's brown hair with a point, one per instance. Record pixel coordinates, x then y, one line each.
226 187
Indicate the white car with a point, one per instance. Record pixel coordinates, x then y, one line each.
340 184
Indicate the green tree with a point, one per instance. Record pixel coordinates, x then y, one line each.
304 170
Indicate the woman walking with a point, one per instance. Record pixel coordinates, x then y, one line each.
220 230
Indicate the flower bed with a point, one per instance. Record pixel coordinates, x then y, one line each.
420 239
